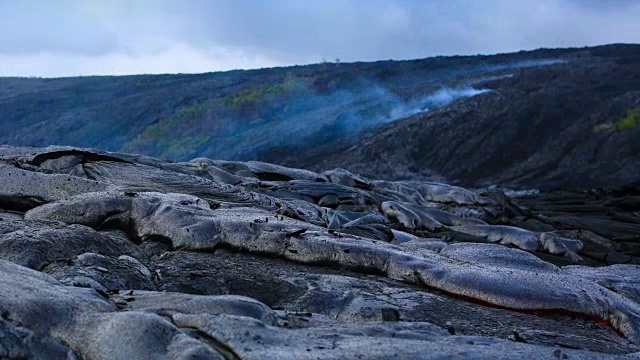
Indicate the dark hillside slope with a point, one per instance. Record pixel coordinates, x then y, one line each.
575 124
242 114
553 117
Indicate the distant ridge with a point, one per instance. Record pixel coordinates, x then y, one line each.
303 115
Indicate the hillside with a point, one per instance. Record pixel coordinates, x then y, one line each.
544 118
572 124
178 117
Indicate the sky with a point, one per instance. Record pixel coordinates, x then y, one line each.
51 38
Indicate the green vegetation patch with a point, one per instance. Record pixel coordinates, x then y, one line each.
181 134
630 121
252 95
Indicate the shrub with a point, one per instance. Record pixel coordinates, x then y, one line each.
252 95
630 121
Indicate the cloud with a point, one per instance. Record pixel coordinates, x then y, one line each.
68 37
178 58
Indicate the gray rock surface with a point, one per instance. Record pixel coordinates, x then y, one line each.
141 258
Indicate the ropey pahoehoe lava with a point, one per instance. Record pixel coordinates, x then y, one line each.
112 255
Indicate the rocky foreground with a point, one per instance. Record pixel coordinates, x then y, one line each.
115 256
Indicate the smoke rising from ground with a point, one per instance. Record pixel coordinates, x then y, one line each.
355 109
343 115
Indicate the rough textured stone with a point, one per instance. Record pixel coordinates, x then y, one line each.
210 259
22 189
375 341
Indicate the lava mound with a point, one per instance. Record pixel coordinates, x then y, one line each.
117 256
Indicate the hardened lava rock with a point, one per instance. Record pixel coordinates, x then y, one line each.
116 256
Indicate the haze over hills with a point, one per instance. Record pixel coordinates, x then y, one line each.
544 118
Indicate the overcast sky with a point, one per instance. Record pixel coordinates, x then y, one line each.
81 37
